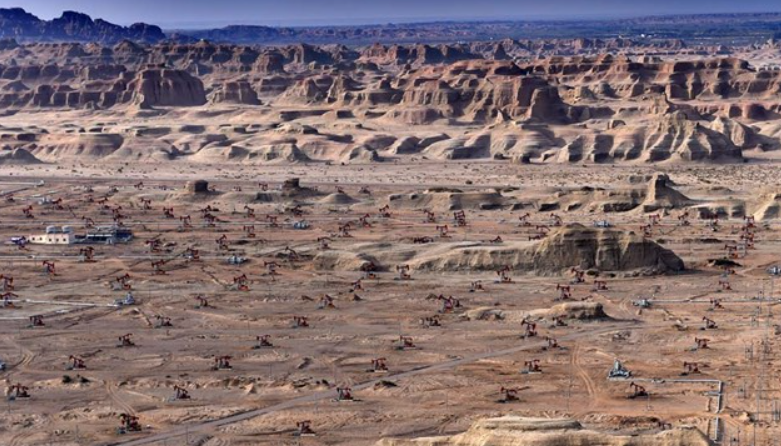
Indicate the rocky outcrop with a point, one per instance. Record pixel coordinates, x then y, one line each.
77 146
769 207
669 137
287 153
303 54
156 86
604 250
197 187
661 195
658 194
740 134
546 106
17 157
235 92
677 136
574 246
270 62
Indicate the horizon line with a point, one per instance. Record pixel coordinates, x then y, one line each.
537 18
401 21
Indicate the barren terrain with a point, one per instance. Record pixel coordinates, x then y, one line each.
446 220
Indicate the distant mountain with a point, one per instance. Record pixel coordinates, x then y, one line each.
18 24
245 34
704 29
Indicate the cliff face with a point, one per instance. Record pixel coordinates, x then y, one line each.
162 87
604 108
461 76
572 246
236 92
110 86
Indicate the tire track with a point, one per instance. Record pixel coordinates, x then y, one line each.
583 374
113 394
28 356
16 440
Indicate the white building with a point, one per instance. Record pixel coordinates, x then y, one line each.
54 236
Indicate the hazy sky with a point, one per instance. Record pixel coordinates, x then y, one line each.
190 13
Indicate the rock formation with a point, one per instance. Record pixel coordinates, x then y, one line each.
661 195
573 246
197 187
587 108
156 86
236 92
769 207
17 157
603 250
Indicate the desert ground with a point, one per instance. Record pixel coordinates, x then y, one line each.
454 375
392 246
